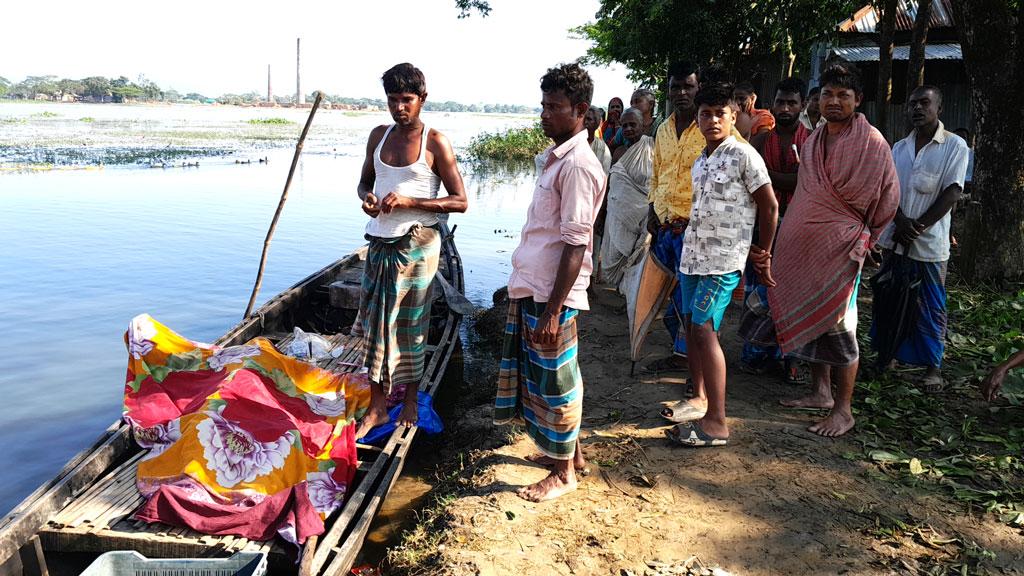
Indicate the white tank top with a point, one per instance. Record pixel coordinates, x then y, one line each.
416 180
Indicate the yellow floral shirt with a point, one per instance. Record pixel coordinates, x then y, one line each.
671 186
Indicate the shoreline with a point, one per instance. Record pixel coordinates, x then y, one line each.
777 500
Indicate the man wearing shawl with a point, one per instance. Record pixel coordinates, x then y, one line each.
847 193
625 228
931 164
780 149
539 381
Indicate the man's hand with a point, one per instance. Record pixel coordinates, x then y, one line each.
547 329
907 230
394 200
874 258
762 261
370 205
992 383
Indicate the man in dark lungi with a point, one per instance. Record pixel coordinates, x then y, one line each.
780 148
405 165
539 382
847 193
931 164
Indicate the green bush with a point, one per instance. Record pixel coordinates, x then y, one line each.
270 121
514 144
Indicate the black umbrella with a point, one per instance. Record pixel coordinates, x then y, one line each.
896 287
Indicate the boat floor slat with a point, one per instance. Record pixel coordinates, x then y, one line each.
104 523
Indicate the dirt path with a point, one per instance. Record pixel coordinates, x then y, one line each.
777 500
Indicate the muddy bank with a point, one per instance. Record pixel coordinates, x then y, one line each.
777 500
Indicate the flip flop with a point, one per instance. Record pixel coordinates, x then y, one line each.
682 411
792 374
663 365
691 435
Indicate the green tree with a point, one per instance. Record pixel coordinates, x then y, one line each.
645 35
69 86
991 32
467 7
96 87
5 86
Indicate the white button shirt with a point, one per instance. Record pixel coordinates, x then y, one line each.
941 163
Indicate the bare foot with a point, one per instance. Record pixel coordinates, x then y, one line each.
374 416
552 487
409 415
578 462
932 381
812 401
837 423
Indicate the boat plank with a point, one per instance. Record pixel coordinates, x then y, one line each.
67 469
30 519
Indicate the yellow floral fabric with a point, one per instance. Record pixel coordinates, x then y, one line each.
238 425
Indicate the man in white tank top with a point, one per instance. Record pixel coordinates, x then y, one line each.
405 165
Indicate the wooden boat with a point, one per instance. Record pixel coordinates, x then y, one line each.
647 285
87 508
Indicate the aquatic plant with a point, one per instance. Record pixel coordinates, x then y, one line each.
522 143
270 121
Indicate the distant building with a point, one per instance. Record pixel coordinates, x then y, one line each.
857 42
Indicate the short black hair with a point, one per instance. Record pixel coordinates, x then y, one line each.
792 85
715 94
843 76
814 91
404 78
680 69
570 79
931 88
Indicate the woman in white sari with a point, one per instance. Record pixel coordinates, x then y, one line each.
625 231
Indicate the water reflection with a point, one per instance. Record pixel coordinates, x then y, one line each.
84 251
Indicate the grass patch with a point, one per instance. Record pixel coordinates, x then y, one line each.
88 119
270 121
952 442
514 144
46 114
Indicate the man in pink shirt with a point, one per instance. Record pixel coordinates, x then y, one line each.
539 382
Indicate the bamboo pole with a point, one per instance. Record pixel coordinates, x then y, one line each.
280 205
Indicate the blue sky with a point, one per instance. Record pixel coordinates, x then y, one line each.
215 47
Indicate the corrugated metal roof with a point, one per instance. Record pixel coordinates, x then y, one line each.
869 53
865 20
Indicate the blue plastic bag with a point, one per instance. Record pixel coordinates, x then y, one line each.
427 420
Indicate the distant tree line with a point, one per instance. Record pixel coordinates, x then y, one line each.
101 89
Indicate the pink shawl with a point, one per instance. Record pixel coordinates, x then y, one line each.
840 207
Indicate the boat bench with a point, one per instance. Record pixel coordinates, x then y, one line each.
100 519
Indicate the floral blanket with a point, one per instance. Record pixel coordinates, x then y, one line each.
242 440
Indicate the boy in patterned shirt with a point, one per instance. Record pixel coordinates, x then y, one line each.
731 188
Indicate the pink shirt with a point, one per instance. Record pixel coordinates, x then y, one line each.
565 203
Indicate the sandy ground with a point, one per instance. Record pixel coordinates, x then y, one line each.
777 500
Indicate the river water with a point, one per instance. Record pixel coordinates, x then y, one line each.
83 251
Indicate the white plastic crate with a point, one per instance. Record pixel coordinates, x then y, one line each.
135 564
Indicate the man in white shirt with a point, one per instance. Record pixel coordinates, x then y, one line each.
931 164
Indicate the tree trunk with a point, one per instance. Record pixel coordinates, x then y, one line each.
990 36
887 28
915 68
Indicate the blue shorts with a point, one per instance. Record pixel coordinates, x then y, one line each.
706 297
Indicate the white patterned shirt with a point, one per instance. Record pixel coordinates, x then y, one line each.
724 212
